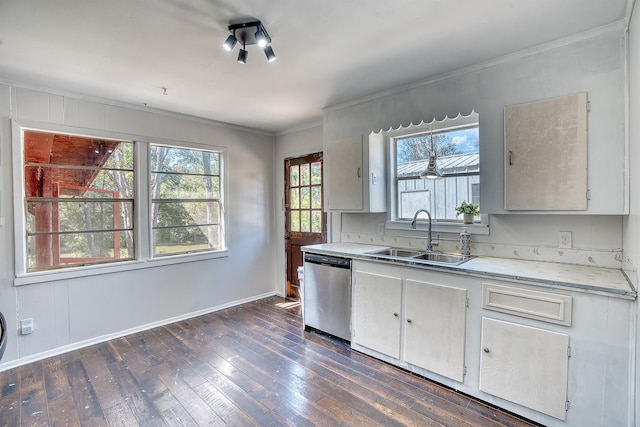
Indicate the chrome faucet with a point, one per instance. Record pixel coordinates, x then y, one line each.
430 243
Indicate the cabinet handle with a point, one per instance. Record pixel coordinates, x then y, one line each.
510 157
358 172
486 350
408 320
395 314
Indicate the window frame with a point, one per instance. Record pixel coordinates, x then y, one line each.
394 222
221 199
142 201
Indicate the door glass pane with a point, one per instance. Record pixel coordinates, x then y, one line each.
305 198
305 177
316 173
295 176
305 222
316 221
316 197
295 220
295 198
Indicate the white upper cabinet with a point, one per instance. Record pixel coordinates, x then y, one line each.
355 179
546 155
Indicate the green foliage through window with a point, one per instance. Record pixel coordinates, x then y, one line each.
186 207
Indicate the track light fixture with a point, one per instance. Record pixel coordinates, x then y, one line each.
230 43
242 55
270 55
249 33
260 38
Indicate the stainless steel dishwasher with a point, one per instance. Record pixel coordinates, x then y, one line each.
326 294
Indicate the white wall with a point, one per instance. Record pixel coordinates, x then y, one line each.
78 311
593 62
631 229
292 144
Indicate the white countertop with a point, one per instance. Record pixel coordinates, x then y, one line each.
582 278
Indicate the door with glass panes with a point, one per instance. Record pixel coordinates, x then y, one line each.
305 220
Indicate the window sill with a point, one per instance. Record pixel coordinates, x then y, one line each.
94 270
440 226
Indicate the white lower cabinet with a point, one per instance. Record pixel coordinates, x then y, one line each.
377 303
435 325
509 347
525 365
418 323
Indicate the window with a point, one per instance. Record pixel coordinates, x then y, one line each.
186 204
457 149
79 200
305 199
91 200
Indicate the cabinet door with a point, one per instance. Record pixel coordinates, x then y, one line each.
344 180
435 325
546 154
525 365
376 305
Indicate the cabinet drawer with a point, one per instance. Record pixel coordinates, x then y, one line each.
544 306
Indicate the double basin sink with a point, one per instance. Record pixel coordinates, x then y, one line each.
417 257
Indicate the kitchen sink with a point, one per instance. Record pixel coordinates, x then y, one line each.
441 258
394 252
417 257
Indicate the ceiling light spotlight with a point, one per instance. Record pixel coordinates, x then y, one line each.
242 56
230 43
249 33
270 55
261 39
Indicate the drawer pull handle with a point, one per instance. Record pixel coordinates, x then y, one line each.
408 320
396 314
486 350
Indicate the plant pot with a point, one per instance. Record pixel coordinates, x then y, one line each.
467 218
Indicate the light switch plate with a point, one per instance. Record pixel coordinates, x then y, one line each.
564 240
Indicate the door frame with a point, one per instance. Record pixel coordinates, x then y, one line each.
293 238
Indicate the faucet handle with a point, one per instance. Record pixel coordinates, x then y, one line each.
437 241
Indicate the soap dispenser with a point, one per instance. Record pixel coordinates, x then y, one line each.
465 242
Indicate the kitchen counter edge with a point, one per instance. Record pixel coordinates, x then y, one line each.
537 273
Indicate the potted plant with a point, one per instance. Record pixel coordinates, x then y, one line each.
468 211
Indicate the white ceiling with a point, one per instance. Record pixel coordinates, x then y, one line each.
328 51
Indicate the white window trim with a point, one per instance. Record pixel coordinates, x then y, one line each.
142 215
223 192
481 227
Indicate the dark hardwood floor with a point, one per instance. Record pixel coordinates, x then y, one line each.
249 365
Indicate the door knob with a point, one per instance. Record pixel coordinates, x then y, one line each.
486 350
396 314
408 320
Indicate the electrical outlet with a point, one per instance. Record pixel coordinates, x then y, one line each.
564 240
26 326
